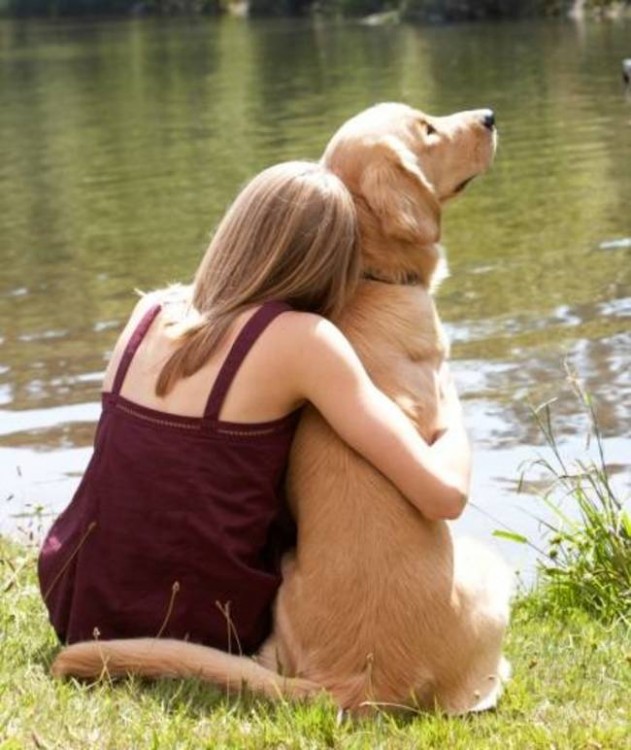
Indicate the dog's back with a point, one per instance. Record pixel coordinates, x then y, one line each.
380 604
355 614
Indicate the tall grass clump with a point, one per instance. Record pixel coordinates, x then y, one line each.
586 562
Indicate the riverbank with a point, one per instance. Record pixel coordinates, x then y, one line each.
570 689
374 12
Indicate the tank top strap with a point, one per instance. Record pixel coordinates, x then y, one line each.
132 345
242 345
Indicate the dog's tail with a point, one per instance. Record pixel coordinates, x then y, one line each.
157 657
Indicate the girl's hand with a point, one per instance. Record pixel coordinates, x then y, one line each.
449 407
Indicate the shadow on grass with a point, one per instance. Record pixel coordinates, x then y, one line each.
45 654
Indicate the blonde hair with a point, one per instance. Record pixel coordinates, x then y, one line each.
290 235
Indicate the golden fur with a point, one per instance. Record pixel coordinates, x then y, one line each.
377 604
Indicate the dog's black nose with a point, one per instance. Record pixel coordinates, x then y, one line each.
488 119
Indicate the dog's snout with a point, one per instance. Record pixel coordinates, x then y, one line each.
488 119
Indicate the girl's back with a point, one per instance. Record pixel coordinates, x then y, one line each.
259 392
178 524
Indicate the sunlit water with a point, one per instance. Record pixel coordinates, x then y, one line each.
122 143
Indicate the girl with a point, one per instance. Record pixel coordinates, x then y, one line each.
176 528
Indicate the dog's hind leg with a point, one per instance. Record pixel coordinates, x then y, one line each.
483 586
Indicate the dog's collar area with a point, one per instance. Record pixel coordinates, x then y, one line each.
407 279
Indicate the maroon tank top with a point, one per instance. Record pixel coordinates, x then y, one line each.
177 527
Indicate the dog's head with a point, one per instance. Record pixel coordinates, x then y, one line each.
401 166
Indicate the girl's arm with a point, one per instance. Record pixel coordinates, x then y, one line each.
434 478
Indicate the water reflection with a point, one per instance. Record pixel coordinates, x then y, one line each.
124 141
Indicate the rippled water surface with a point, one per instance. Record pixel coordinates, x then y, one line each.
122 143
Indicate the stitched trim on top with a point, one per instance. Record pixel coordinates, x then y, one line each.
267 431
170 423
155 420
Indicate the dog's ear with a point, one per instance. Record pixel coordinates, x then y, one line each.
398 194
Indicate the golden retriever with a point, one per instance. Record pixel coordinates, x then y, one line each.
378 604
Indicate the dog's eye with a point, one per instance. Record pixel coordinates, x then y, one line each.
430 129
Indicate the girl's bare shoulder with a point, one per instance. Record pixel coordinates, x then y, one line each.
298 325
145 303
305 334
308 344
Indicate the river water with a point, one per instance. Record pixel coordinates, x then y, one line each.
122 142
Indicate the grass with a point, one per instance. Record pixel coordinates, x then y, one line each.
586 563
569 644
571 688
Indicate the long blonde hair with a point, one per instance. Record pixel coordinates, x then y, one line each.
290 235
